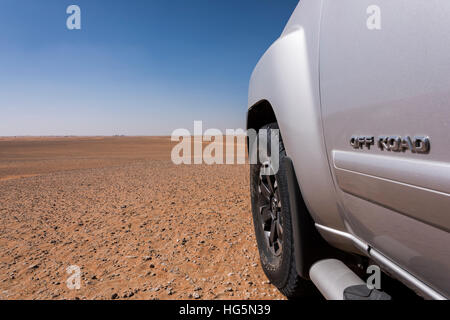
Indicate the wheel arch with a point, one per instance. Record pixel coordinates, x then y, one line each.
284 88
260 114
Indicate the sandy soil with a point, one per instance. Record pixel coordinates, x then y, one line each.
138 226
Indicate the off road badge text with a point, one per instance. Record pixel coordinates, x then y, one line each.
417 144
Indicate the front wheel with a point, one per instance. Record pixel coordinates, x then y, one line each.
272 221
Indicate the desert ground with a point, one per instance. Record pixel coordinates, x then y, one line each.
137 226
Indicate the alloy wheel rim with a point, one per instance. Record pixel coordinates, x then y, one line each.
270 212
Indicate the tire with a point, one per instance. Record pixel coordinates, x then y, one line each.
273 229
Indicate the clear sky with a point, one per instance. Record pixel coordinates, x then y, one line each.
137 67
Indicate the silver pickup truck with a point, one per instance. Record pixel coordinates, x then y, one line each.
360 93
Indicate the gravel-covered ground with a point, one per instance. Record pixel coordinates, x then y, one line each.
138 226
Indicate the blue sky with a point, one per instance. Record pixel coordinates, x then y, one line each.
136 67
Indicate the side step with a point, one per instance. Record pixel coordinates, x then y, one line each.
337 282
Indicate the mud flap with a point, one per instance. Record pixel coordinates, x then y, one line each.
309 246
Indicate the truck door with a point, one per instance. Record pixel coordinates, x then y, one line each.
385 95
